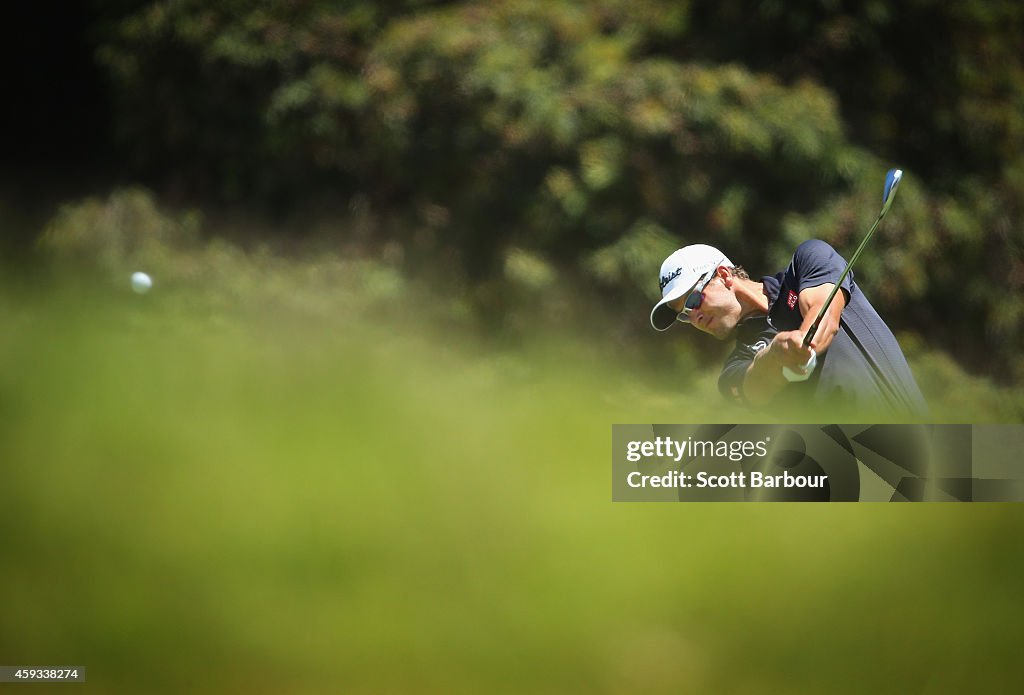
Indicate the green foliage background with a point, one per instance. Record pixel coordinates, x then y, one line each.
600 135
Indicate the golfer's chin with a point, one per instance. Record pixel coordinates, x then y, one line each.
721 328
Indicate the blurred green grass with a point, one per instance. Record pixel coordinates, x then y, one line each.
260 498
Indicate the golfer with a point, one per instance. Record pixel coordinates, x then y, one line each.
857 364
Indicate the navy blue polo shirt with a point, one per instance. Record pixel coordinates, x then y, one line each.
863 370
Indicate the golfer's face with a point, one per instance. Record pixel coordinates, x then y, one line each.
718 312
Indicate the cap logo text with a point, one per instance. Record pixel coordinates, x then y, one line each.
665 279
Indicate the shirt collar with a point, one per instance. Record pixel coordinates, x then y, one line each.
772 287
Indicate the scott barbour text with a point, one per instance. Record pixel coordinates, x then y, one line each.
732 480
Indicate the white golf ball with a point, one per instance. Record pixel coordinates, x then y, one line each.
141 282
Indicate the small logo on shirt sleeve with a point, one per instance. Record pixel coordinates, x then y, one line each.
791 299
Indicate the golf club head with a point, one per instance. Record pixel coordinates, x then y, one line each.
892 182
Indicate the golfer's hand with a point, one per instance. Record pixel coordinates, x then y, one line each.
767 373
788 350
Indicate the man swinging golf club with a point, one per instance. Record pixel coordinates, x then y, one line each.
807 331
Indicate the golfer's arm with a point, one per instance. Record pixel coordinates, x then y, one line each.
811 301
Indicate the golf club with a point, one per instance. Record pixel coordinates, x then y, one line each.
892 182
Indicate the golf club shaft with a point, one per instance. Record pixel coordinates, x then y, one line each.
856 254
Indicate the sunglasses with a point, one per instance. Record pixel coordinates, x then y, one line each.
695 298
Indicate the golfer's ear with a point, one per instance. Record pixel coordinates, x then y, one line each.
723 272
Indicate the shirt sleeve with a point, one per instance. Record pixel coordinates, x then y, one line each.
734 371
816 263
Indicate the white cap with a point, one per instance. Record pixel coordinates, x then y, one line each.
680 273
